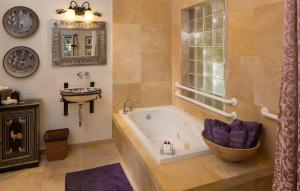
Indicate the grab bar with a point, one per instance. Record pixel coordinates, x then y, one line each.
232 101
225 114
265 112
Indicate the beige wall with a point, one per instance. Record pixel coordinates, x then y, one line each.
141 52
255 52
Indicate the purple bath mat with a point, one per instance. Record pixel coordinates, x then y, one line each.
106 178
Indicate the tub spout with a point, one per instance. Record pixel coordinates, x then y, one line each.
126 108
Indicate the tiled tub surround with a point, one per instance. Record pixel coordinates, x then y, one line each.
156 125
142 52
254 58
205 172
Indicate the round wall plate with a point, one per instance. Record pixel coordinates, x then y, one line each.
20 22
21 62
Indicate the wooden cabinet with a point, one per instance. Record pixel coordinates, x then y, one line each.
19 136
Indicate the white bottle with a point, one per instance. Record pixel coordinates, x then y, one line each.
164 147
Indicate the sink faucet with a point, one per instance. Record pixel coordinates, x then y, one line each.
126 108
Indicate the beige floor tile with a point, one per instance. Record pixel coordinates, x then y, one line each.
54 178
98 153
28 179
50 176
74 159
53 181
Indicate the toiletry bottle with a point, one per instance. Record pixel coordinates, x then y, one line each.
164 146
16 95
169 146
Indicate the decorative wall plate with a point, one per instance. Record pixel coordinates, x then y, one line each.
21 62
20 22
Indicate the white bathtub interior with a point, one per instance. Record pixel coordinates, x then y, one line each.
156 125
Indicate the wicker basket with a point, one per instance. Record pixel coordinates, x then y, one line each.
230 154
56 144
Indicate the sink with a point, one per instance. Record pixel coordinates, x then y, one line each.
80 95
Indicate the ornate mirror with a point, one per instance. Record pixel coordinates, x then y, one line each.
78 43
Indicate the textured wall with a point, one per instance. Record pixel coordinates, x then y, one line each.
254 59
141 52
48 81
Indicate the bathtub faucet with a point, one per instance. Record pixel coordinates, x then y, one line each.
126 108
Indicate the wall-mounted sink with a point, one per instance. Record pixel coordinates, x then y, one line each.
80 95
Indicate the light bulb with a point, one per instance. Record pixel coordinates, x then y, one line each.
70 14
88 15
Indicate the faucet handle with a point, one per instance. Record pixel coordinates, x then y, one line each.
87 75
79 74
132 100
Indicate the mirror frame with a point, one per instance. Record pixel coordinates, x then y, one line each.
59 60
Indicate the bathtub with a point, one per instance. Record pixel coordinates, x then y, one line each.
155 125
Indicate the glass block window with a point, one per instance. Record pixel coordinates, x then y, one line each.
203 50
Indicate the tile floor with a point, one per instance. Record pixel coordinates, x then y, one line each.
50 176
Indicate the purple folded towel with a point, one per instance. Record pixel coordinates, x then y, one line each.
217 132
208 126
244 134
254 130
238 135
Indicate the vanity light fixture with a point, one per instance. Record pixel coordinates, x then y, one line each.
83 10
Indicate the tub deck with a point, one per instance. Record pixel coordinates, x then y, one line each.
199 173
